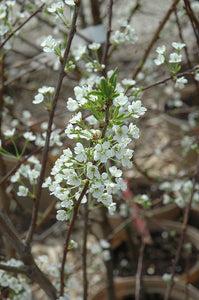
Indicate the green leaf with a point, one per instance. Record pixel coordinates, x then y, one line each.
113 78
103 86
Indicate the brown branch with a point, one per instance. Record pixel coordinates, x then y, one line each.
70 229
139 270
183 233
84 252
50 122
193 19
191 72
133 10
95 8
21 25
185 48
33 272
154 39
106 46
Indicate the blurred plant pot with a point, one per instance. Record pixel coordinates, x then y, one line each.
194 217
192 236
154 285
176 135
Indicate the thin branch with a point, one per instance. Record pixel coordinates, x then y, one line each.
70 229
183 233
139 271
33 272
133 10
21 25
50 122
154 39
185 48
84 252
193 19
106 46
191 72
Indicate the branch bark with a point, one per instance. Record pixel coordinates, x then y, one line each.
33 271
60 78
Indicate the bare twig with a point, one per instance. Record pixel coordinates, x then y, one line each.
21 25
33 272
183 233
70 229
106 46
154 39
191 72
185 48
84 252
133 10
193 19
139 271
50 122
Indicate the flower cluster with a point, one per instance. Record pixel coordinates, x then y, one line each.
44 96
103 248
10 16
125 34
49 44
16 285
173 63
182 190
102 138
27 173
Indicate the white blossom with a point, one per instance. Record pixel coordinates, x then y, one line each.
134 131
175 58
94 46
29 136
39 98
102 152
46 89
161 49
178 46
9 132
115 171
70 2
137 109
120 100
72 105
128 82
80 153
22 191
159 60
92 171
55 7
49 44
62 215
180 82
78 52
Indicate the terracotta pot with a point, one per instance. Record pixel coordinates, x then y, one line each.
192 234
150 285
